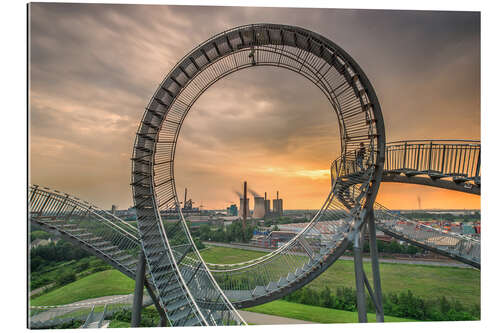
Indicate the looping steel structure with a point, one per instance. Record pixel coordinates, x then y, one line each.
177 270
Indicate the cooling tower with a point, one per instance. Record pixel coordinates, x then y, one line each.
259 210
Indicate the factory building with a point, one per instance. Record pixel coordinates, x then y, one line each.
259 210
232 210
267 205
278 205
240 212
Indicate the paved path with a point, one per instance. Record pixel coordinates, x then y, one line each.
265 319
39 290
386 260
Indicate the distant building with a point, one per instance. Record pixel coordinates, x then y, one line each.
232 210
278 205
228 220
267 205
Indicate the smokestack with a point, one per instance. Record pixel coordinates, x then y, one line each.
185 196
277 195
245 204
265 195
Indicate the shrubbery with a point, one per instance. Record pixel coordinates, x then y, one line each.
54 252
392 247
403 305
231 233
65 278
149 317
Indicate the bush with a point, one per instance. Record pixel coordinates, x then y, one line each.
149 317
403 305
65 278
39 234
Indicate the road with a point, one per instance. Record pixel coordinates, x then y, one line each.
264 319
385 260
39 290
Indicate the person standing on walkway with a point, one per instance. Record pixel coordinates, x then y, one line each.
360 156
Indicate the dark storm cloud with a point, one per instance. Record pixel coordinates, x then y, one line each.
94 68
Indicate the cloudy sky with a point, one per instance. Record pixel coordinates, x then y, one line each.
95 67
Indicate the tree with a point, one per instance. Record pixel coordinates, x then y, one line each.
325 298
65 278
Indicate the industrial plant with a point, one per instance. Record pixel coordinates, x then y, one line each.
261 208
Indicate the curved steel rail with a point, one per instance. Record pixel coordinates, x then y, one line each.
462 248
449 164
77 221
93 229
177 269
50 316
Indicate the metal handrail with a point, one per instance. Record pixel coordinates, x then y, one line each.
433 140
89 317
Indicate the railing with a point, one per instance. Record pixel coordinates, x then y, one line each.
462 247
50 316
109 237
89 318
459 159
99 324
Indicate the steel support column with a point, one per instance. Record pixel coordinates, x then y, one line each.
139 291
360 283
161 312
375 267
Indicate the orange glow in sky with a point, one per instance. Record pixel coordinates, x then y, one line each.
93 69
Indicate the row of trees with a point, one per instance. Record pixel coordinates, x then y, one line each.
62 263
51 253
403 305
231 233
445 216
283 220
391 247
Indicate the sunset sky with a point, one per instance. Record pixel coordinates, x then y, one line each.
95 67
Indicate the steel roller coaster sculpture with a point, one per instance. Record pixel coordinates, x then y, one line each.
189 291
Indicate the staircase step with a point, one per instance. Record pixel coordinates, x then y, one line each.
180 314
177 304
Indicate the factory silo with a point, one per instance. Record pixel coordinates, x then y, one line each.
278 205
267 204
259 210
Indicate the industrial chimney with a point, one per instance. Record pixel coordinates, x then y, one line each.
246 209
